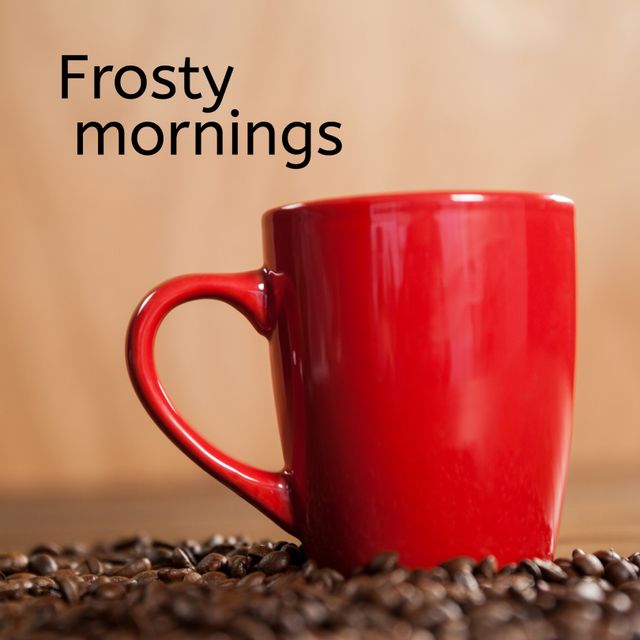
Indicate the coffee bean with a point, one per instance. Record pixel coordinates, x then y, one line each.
487 567
550 571
588 564
214 577
41 585
252 579
618 602
21 575
138 541
274 562
145 577
384 561
13 562
325 576
25 580
211 562
508 569
587 589
258 551
10 589
532 568
296 554
172 575
619 571
50 548
238 566
192 577
43 564
135 567
461 564
606 556
107 591
180 559
69 588
192 548
89 578
161 556
111 591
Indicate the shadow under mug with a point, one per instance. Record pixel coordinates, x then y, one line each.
422 353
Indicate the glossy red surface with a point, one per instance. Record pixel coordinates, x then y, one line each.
422 350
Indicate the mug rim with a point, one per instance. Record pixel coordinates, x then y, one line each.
456 197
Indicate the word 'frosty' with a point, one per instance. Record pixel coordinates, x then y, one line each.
162 77
195 83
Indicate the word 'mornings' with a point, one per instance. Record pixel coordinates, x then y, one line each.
201 84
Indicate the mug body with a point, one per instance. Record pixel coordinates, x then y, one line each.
423 359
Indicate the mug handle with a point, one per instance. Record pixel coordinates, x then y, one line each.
249 293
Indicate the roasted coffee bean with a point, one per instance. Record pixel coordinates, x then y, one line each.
69 588
606 556
618 602
619 571
192 576
296 554
161 556
51 548
89 578
550 571
172 575
587 589
25 583
141 540
21 576
110 591
43 564
75 548
13 562
10 589
192 548
273 562
487 567
94 566
211 562
252 579
214 577
384 561
508 569
145 577
460 564
258 551
181 559
42 585
588 564
135 567
238 566
269 590
325 576
532 568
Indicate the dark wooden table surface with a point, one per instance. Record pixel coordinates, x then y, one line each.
600 511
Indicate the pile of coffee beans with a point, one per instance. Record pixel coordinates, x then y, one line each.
226 588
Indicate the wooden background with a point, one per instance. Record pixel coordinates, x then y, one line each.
539 95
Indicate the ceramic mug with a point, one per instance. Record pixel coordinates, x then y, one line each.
422 352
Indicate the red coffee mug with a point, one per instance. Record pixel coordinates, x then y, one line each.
422 349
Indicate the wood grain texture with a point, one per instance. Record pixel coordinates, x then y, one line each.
599 512
460 94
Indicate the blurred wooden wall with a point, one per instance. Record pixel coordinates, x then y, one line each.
537 95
